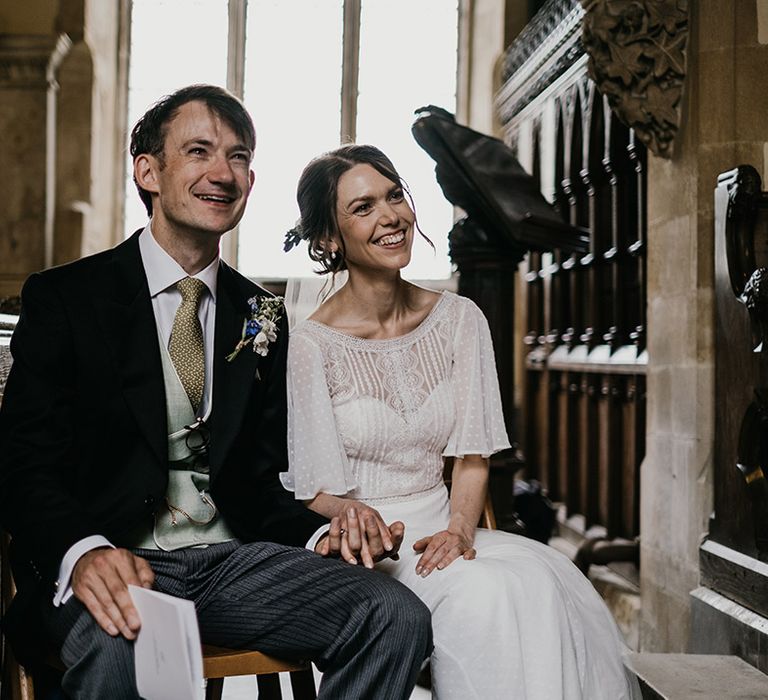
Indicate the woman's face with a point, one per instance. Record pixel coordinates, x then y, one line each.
375 221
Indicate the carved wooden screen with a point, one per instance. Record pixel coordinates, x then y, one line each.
734 557
583 398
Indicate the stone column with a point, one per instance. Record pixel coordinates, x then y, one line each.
23 114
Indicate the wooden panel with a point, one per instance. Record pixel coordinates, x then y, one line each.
534 302
633 451
737 576
610 500
567 439
535 438
588 449
585 414
549 419
541 431
737 372
559 440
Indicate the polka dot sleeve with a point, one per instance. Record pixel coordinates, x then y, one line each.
316 458
479 427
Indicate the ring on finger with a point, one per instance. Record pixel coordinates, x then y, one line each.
342 531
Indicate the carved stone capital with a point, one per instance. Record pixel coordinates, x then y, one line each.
637 58
24 61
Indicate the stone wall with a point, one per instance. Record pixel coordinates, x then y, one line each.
23 122
62 106
723 125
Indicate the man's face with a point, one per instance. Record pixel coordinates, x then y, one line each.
200 184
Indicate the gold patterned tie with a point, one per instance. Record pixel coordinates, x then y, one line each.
186 347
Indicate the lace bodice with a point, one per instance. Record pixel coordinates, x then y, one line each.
373 419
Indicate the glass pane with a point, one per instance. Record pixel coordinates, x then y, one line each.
173 43
408 54
292 89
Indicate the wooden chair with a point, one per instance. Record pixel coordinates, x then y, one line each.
218 663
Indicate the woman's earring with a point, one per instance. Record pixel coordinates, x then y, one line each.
333 255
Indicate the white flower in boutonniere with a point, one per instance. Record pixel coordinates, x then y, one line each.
260 329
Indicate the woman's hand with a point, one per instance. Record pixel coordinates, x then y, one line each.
440 549
470 480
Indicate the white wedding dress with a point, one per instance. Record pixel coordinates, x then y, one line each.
372 420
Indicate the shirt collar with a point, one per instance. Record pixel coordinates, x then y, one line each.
163 271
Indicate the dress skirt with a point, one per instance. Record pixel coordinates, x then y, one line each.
519 621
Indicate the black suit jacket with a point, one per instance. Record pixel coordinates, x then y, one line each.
83 436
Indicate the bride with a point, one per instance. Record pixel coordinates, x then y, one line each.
385 380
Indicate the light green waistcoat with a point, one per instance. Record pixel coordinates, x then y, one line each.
188 518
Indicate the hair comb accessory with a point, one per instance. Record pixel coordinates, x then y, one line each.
293 237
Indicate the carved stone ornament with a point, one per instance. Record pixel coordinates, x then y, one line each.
24 61
637 59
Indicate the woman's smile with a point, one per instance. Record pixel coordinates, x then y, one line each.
391 240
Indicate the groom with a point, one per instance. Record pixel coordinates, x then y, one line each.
142 431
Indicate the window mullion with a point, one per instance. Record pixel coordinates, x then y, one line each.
350 71
236 85
236 47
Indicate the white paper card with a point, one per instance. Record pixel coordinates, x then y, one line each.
169 661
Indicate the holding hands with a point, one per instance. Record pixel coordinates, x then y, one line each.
358 534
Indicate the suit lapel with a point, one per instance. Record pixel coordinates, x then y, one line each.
232 381
126 315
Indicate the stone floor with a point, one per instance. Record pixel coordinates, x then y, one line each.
244 688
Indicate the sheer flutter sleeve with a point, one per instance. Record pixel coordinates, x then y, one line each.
316 458
479 428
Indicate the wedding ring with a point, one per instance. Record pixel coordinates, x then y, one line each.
342 531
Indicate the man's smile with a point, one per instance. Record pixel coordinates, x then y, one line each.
217 198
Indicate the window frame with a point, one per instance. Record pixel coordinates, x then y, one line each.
350 69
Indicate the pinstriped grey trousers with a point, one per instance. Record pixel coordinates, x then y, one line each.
366 632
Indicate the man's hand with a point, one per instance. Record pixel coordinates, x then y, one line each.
362 535
100 581
440 549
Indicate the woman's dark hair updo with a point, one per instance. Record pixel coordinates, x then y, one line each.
317 192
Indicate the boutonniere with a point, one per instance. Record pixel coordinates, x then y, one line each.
260 328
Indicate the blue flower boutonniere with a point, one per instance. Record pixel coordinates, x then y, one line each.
260 328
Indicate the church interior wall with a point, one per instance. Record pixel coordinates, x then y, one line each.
62 107
723 125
